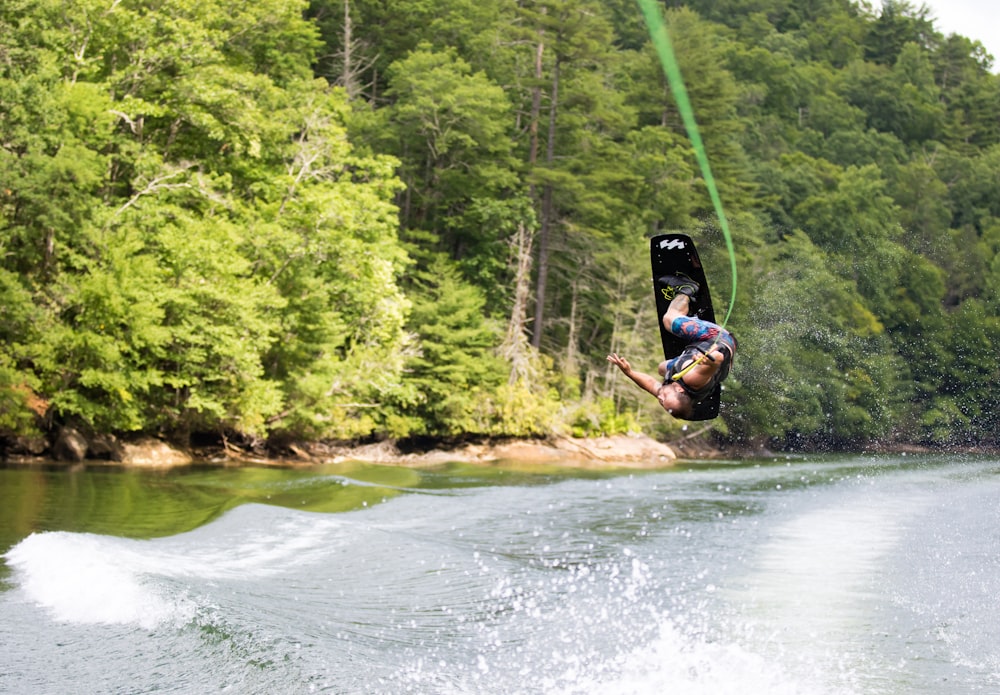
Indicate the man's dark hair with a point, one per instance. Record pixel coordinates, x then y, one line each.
685 410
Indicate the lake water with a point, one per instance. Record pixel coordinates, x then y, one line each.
798 575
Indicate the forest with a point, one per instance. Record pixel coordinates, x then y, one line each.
350 220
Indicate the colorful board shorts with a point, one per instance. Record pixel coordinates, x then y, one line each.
695 330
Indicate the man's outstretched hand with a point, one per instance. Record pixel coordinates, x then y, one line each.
621 362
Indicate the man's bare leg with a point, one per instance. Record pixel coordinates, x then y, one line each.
679 307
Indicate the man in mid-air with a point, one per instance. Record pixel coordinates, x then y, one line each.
690 377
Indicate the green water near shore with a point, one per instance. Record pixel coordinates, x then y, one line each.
137 503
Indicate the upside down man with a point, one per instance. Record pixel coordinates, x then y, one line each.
690 377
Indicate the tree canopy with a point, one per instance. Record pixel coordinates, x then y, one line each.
340 219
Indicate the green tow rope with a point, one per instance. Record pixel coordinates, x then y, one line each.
661 41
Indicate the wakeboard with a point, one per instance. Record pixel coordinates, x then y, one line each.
673 254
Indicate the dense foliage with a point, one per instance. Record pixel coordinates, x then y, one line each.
351 218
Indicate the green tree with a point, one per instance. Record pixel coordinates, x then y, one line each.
902 100
700 48
898 24
455 368
570 38
449 127
964 407
325 235
21 345
970 93
820 371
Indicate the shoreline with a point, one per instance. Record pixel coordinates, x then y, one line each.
636 451
624 451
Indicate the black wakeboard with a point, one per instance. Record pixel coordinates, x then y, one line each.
671 254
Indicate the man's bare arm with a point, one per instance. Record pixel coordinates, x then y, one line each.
643 381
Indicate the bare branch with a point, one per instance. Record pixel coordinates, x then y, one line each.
157 184
128 119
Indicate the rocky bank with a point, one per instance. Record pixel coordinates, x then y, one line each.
73 449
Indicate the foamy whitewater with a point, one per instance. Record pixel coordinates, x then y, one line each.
804 577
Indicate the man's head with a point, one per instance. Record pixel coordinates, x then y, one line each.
676 401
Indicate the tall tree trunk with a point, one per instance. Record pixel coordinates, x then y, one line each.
546 217
515 345
353 61
348 79
536 116
536 108
570 366
623 338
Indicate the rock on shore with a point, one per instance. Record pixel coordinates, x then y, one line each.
152 453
